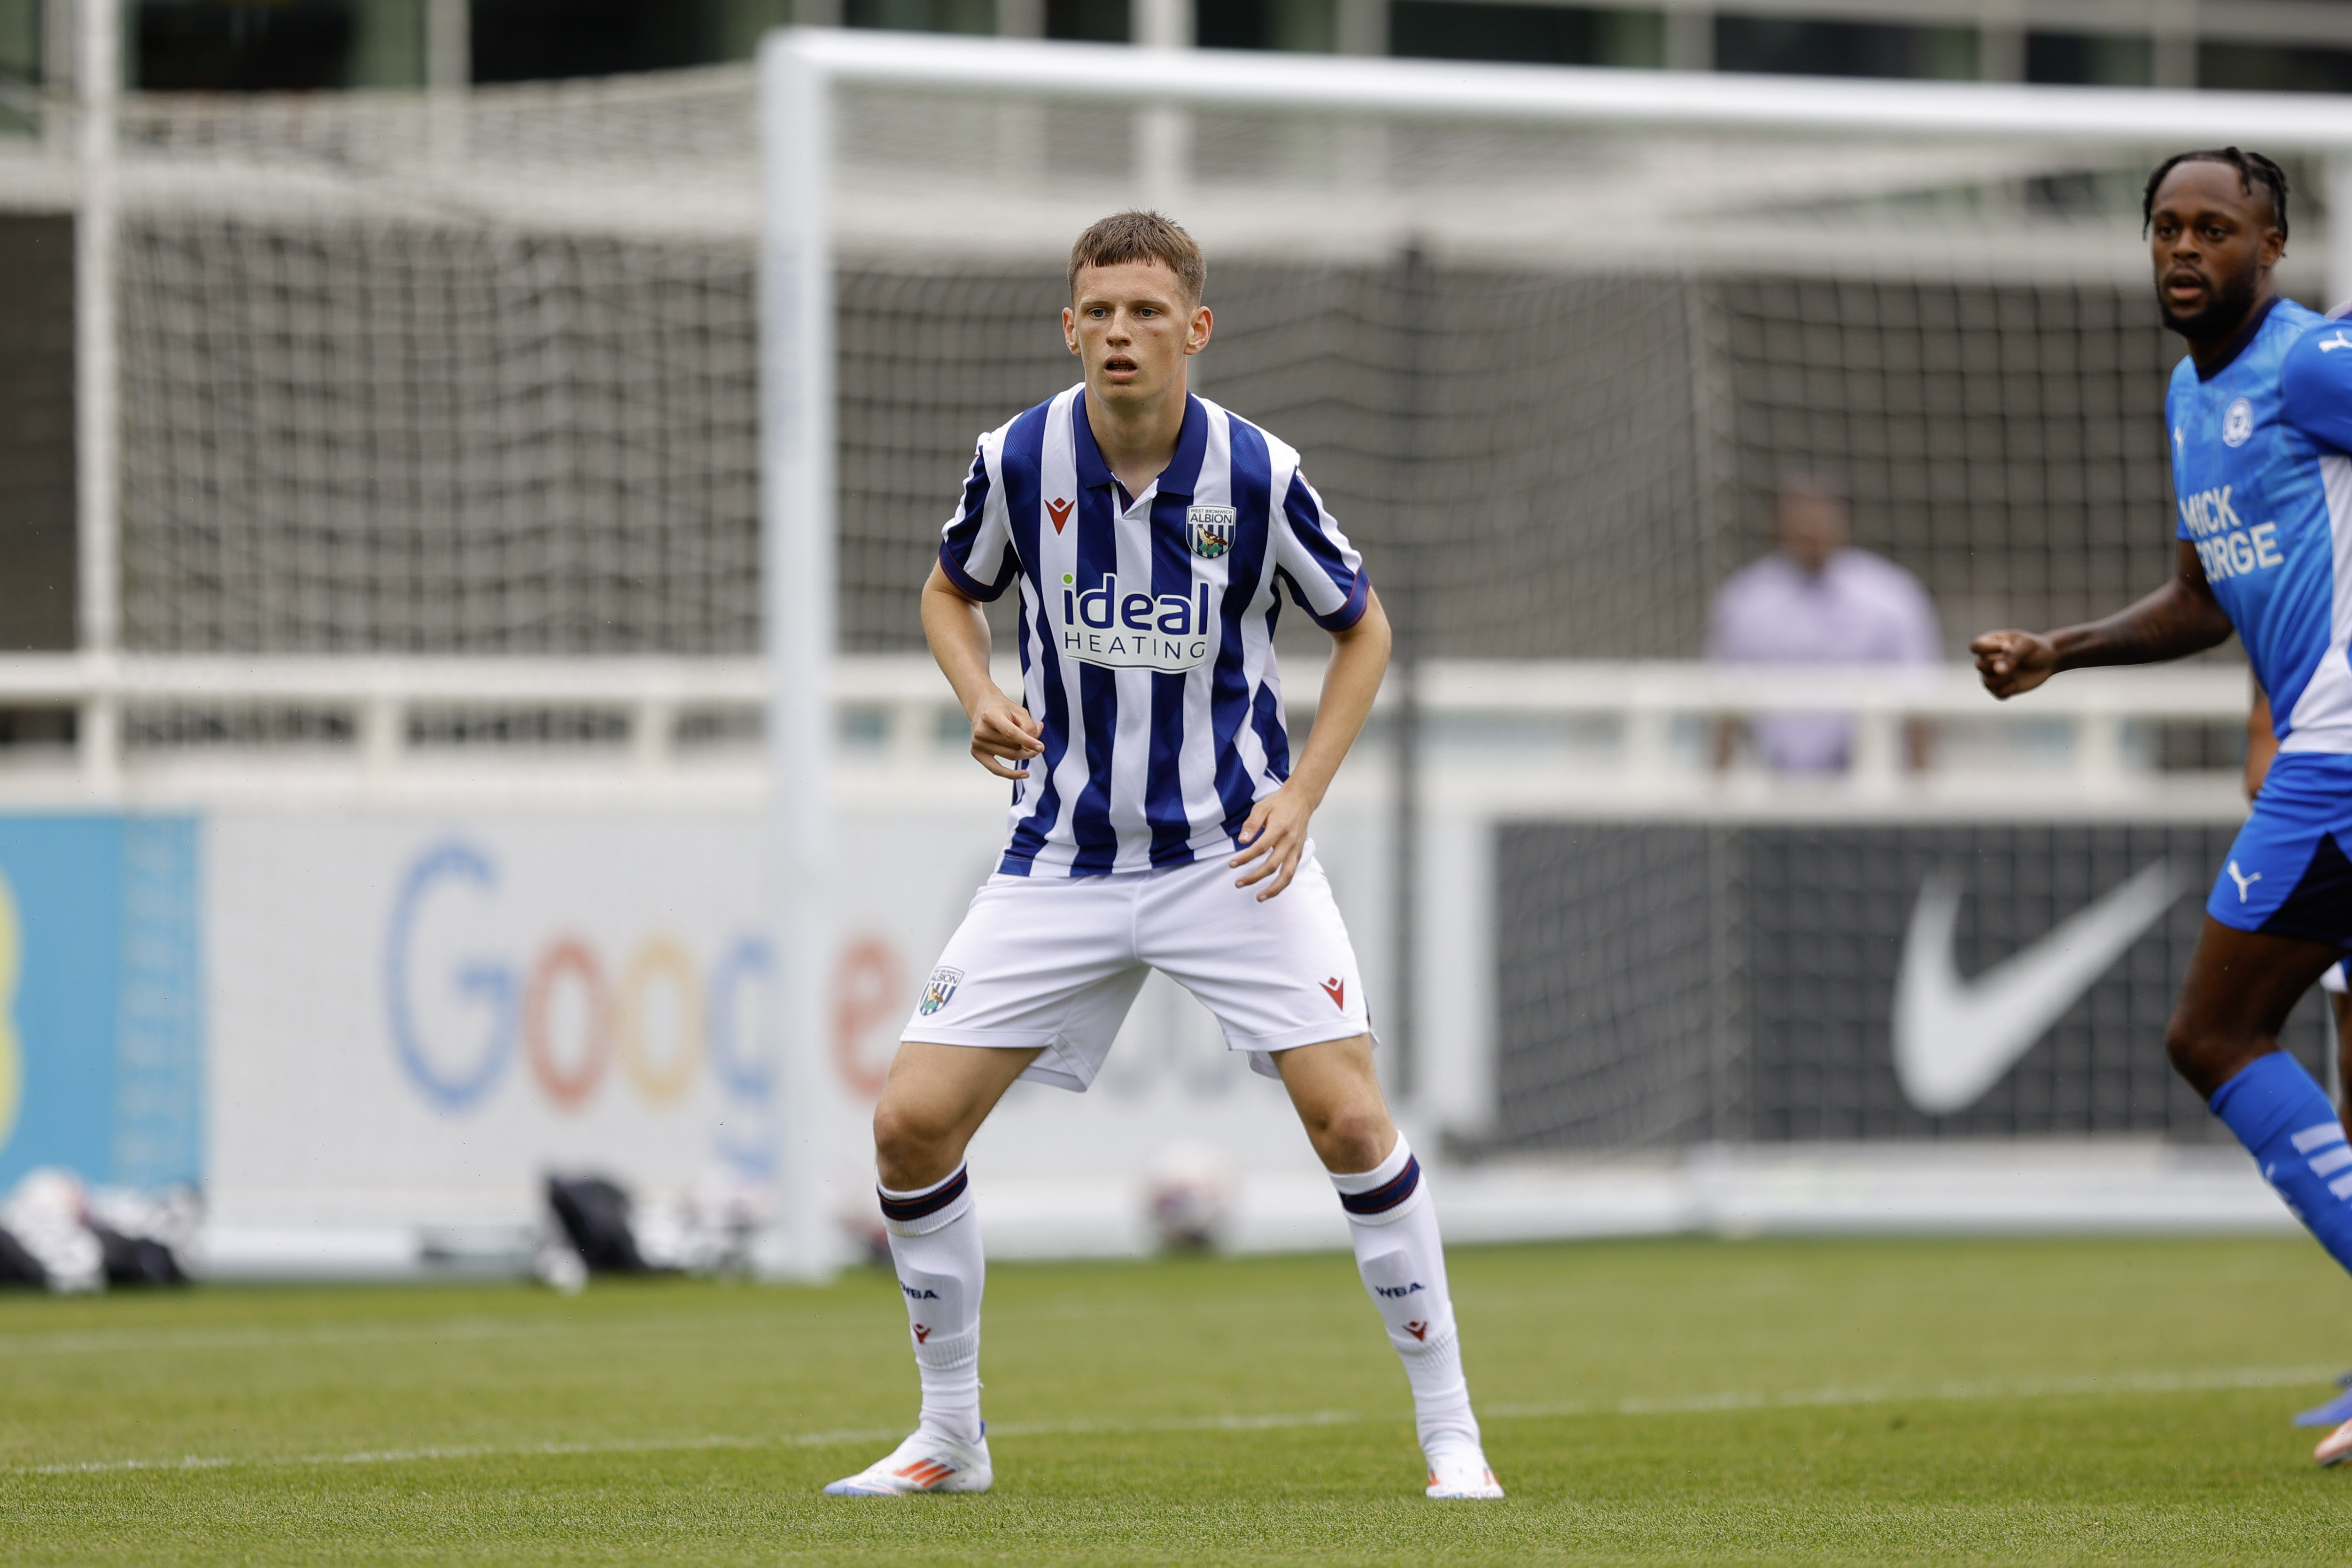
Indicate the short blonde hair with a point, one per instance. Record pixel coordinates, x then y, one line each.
1136 236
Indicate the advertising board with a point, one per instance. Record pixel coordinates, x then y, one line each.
415 1018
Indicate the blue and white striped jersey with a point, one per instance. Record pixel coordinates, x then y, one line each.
1147 629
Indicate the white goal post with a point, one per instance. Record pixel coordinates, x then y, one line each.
803 75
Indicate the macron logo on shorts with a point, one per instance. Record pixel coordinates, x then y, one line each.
1335 989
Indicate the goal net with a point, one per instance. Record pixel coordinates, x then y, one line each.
1550 344
484 375
399 375
480 375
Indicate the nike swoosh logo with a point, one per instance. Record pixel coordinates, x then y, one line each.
1953 1038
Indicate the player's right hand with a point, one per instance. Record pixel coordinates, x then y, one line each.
1001 728
2012 662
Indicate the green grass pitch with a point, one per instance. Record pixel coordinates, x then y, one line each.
2059 1401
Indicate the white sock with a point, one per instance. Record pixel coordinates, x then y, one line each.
1398 1252
935 1247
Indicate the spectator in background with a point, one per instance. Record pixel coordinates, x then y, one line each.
1817 600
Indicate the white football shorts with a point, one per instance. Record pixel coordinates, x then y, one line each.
1056 961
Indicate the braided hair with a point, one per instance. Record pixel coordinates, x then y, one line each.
2250 167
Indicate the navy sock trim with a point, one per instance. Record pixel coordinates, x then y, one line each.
905 1209
1381 1199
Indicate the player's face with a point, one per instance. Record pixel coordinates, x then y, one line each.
2212 243
1132 327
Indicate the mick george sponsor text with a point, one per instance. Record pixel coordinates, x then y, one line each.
2226 547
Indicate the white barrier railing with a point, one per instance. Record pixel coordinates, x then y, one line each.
1532 736
2087 743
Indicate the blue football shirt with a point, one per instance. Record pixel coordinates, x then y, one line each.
2265 485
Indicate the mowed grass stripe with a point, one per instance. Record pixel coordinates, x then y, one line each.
2143 1384
2075 1401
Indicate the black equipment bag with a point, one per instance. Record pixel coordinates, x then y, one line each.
18 1267
137 1259
594 1213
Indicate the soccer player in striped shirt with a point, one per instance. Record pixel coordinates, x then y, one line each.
1158 821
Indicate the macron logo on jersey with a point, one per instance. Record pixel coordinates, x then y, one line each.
1167 632
2225 546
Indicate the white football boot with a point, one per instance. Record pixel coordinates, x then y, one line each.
923 1463
2335 1447
1463 1473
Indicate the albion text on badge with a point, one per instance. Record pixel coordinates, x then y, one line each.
1209 529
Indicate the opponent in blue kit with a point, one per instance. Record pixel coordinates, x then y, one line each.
1158 821
2261 421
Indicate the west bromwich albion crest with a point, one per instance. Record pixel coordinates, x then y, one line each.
1209 529
941 991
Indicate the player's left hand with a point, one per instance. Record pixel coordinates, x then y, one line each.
2010 663
1275 837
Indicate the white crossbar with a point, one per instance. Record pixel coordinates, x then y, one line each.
1560 95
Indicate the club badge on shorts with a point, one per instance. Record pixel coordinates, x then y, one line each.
940 989
1209 529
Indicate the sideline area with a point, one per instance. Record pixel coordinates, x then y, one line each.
2020 1187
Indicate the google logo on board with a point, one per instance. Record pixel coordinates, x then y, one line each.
516 1005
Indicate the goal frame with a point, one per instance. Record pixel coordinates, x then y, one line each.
800 67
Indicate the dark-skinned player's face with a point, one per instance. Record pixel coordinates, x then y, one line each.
2213 243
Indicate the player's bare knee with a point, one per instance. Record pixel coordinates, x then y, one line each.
1350 1138
2185 1045
2207 1057
907 1144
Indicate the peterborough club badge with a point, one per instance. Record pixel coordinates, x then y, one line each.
1209 529
941 990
